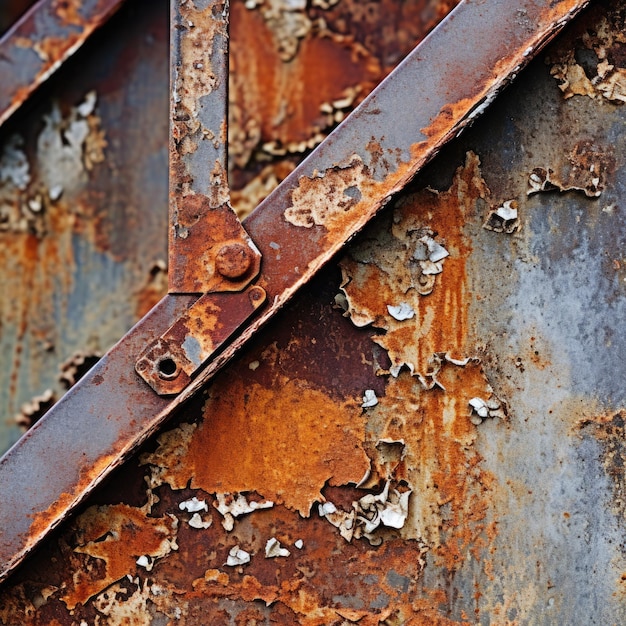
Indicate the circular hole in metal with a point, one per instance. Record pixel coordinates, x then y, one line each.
167 368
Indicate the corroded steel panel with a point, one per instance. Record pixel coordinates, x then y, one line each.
41 41
299 228
432 434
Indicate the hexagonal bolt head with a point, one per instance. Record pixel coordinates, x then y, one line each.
233 260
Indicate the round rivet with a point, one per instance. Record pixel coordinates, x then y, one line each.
233 260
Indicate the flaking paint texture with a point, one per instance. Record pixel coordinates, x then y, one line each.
484 486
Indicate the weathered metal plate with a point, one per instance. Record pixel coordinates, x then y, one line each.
41 41
313 213
515 516
83 213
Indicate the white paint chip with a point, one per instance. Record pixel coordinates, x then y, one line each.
328 508
55 192
237 556
86 108
196 521
401 312
231 506
273 549
145 561
299 544
193 505
369 399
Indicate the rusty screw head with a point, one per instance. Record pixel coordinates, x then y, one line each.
233 260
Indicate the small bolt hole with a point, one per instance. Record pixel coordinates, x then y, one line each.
167 368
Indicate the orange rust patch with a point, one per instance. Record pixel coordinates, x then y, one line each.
284 447
118 535
67 11
52 50
286 98
450 510
47 519
381 273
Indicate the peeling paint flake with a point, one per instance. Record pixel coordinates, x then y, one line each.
482 409
503 219
231 506
193 505
583 170
388 508
273 549
393 280
590 65
401 312
325 198
369 399
237 556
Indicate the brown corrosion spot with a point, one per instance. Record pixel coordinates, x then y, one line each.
309 208
285 99
610 431
118 535
68 12
284 449
45 520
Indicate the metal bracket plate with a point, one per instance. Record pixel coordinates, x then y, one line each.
169 364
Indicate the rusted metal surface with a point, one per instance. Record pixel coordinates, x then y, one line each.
298 229
298 69
432 433
41 41
208 248
77 270
48 347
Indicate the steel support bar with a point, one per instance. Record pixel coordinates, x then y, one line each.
447 81
38 44
199 193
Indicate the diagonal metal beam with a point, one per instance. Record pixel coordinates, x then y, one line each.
447 81
41 41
